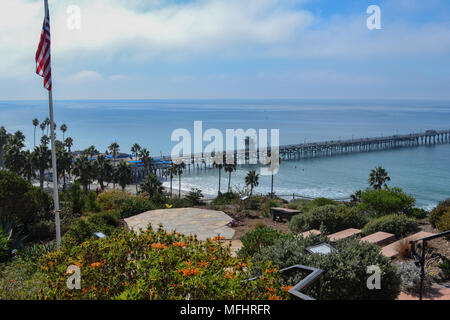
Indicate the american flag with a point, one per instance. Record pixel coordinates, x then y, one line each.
43 65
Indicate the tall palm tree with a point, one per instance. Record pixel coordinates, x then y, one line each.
147 160
135 151
63 129
47 123
35 124
219 166
91 151
124 175
69 143
83 169
43 125
14 158
378 178
179 171
103 170
41 161
28 167
152 185
63 163
230 167
171 171
45 140
4 137
252 180
114 149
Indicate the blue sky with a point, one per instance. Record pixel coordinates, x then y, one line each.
140 49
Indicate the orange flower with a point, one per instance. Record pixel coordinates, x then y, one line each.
203 264
96 264
189 272
179 244
287 288
274 297
271 289
229 275
218 238
158 246
78 264
271 270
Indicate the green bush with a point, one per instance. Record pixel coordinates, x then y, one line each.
333 218
4 246
255 240
387 201
76 198
398 224
438 212
22 204
444 222
91 202
113 199
225 198
134 206
195 197
345 268
83 229
319 202
419 213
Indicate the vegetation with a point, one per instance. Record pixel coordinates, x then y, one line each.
158 265
333 218
378 178
410 277
440 216
257 239
397 224
387 201
252 180
345 268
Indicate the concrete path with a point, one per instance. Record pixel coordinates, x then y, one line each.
204 223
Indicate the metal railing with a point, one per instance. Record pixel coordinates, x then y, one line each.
421 258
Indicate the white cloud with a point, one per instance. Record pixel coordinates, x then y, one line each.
84 76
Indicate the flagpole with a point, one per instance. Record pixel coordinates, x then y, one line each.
55 171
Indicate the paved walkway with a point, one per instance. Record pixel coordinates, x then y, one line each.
204 223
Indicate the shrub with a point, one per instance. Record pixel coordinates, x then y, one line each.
113 199
398 224
419 213
76 198
438 212
387 201
300 204
155 265
19 280
265 210
225 198
134 206
195 197
152 186
443 223
91 202
4 246
22 204
333 217
83 229
255 240
345 268
410 277
319 202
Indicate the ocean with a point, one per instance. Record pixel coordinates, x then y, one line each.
423 172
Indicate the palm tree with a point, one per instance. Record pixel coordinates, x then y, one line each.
28 167
252 180
63 128
63 163
114 149
91 151
45 140
69 143
179 171
103 170
4 137
43 125
378 178
152 185
14 157
171 171
135 150
219 166
230 167
35 124
41 160
144 154
124 174
47 124
83 169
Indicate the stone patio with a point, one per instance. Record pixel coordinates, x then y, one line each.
204 223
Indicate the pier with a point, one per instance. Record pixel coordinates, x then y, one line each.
326 148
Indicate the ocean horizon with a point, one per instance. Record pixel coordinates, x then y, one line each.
423 172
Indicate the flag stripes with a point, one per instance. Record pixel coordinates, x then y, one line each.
43 65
